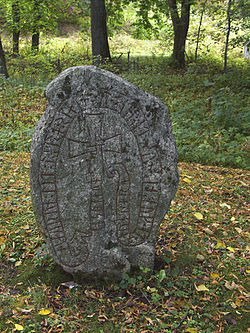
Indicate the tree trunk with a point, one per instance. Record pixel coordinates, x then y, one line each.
36 17
16 35
179 46
100 46
16 27
180 25
3 68
228 33
199 30
35 40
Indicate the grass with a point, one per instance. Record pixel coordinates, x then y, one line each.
209 109
200 280
210 251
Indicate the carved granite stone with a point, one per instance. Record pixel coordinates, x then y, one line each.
103 172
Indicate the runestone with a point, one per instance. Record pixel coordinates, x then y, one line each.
103 172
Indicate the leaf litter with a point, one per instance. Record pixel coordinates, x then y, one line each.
200 279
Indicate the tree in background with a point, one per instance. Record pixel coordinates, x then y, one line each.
237 17
3 67
203 8
35 16
13 15
179 11
180 19
32 16
16 27
10 14
42 15
229 4
99 35
231 17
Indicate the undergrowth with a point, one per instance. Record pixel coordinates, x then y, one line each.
209 109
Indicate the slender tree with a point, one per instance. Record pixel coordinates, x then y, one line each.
16 27
199 29
3 67
36 26
228 33
99 35
35 39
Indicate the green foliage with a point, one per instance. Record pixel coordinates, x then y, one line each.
19 112
115 16
32 14
209 110
209 134
225 112
42 15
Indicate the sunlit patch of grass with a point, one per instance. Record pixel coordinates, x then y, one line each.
209 110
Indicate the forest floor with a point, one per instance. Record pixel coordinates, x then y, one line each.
199 283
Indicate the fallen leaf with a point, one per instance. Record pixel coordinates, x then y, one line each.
214 276
151 290
19 327
231 286
201 287
229 248
239 230
238 302
224 205
200 257
70 284
233 305
186 180
224 313
149 320
44 312
191 330
199 216
91 315
208 190
25 311
208 231
219 245
102 318
18 263
2 240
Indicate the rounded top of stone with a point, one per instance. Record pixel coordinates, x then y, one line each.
70 82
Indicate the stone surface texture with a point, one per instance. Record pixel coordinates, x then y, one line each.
103 172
